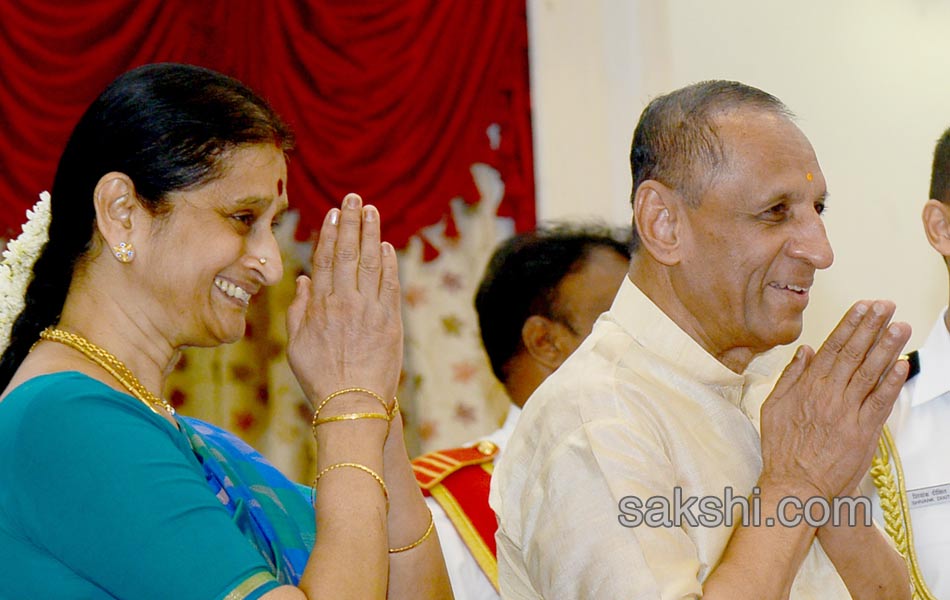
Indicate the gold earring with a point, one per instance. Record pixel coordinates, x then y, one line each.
124 252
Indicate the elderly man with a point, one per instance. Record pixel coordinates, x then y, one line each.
918 439
539 298
654 418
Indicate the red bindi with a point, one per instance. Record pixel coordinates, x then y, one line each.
280 187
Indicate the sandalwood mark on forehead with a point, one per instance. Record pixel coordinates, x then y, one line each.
280 185
809 176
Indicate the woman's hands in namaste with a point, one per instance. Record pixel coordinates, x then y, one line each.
344 324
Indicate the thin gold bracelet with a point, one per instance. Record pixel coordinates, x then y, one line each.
351 390
349 417
364 468
419 541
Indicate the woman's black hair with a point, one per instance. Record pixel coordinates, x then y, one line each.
167 127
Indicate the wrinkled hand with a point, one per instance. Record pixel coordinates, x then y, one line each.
344 324
821 423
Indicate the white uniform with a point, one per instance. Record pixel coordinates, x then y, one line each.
920 425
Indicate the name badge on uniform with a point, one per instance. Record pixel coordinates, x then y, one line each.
929 496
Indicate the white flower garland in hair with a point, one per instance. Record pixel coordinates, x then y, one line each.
16 269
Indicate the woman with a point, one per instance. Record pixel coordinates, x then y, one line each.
163 207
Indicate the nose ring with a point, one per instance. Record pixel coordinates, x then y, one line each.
262 260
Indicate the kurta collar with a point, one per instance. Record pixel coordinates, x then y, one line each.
652 328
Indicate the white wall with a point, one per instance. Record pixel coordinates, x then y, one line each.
868 81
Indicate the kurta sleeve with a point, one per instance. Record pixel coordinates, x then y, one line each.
575 545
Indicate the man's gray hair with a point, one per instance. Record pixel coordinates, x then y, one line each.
676 141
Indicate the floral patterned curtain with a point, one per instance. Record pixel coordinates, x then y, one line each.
421 106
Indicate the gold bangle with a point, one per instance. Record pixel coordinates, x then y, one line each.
395 408
364 468
349 417
419 541
347 391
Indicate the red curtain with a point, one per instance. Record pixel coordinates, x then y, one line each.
391 99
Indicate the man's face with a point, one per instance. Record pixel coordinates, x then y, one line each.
752 246
589 291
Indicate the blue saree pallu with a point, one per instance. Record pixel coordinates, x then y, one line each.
273 513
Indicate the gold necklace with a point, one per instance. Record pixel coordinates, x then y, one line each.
111 364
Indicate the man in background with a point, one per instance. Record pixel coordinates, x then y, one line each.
654 408
918 425
539 298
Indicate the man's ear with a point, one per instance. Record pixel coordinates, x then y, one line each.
117 209
656 212
936 218
541 339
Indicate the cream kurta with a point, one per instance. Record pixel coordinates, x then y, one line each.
639 409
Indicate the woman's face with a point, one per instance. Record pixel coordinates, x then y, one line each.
203 260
